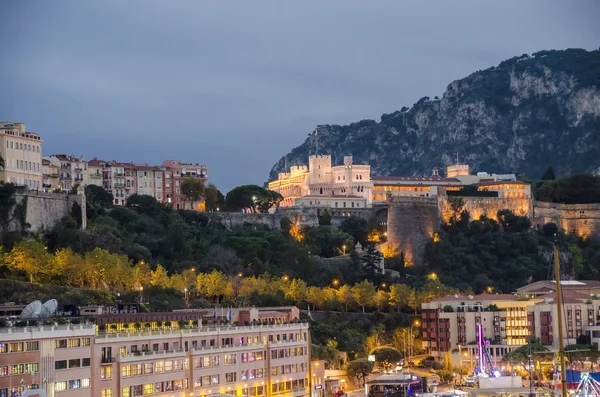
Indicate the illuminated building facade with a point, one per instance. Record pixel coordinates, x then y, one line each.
268 357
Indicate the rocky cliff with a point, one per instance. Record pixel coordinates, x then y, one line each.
527 113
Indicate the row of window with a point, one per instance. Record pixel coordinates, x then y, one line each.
288 369
23 165
22 146
72 384
72 363
231 359
151 388
18 369
68 343
19 347
149 368
280 387
289 352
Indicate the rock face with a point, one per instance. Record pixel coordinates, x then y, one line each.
522 116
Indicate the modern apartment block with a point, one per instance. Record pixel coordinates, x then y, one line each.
509 321
117 358
22 154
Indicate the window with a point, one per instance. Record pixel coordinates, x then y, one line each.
74 384
148 388
74 363
230 377
85 341
33 345
148 368
85 362
106 393
126 391
61 343
60 364
32 367
159 366
15 347
85 382
168 365
230 359
60 386
136 369
106 372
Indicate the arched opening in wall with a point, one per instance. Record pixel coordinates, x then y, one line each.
379 197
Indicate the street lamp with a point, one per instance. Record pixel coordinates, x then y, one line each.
344 248
141 294
416 323
335 283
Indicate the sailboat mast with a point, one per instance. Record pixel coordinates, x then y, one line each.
559 310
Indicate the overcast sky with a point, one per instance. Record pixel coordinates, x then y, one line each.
237 84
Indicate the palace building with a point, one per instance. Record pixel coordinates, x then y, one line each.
322 185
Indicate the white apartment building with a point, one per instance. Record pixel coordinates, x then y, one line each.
161 358
22 154
510 320
340 188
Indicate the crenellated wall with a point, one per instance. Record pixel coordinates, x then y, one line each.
487 206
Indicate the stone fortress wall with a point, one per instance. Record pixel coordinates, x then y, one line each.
43 210
411 223
580 219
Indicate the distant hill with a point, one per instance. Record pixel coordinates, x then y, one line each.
529 112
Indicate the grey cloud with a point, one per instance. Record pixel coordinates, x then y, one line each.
237 84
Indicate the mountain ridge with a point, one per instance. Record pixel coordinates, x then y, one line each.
527 113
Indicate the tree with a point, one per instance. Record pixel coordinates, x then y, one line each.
213 198
386 355
159 277
344 296
72 265
192 189
31 257
359 368
315 296
1 162
363 293
548 175
380 299
399 296
97 200
356 227
251 198
324 218
371 259
297 291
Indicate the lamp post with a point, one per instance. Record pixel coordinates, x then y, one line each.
416 323
141 294
344 248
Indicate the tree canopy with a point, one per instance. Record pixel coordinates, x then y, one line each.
252 198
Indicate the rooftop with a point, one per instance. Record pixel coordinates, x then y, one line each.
433 178
477 298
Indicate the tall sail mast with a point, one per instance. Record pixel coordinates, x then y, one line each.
559 310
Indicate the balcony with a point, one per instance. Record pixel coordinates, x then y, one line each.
118 174
79 179
142 356
95 176
119 184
